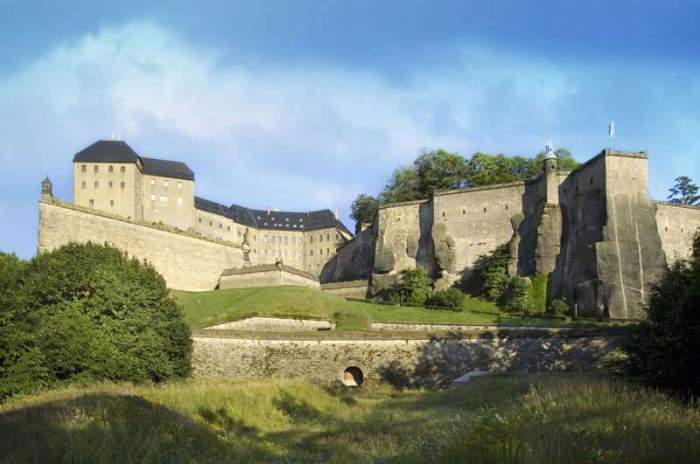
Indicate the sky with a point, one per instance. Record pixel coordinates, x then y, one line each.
301 105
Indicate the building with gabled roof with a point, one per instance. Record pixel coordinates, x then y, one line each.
110 176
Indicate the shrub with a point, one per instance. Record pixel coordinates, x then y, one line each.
451 298
490 277
538 294
663 349
559 307
413 288
515 297
88 313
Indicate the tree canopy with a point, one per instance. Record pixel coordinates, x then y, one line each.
87 313
684 192
363 209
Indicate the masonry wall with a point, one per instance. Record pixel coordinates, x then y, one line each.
424 361
186 263
266 278
168 200
677 225
111 187
353 260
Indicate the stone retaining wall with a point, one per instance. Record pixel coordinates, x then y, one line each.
429 361
274 324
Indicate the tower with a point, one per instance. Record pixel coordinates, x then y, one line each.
46 189
551 164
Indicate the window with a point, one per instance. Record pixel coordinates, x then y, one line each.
337 237
110 184
111 169
210 223
97 169
97 184
179 201
83 168
221 226
179 185
484 210
199 220
320 252
311 253
228 228
92 203
264 237
320 238
122 169
153 182
328 251
123 185
311 239
163 199
83 185
165 184
111 202
286 240
279 239
328 237
153 197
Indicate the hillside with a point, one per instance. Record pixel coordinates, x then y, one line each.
545 418
207 308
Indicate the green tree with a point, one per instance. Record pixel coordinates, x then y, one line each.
413 287
363 209
684 192
663 349
485 169
440 170
403 186
89 313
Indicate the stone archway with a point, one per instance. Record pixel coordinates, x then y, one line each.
353 377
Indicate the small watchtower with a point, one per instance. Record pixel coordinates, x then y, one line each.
46 189
551 165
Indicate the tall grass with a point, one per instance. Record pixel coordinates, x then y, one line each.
544 418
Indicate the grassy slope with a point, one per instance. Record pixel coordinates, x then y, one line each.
208 308
557 418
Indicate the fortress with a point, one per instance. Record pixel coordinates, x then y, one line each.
593 231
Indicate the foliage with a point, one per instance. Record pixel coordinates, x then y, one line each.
684 192
663 351
538 292
559 307
412 288
520 418
515 297
451 298
363 209
490 275
88 313
441 170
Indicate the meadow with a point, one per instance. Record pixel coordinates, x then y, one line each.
202 309
539 418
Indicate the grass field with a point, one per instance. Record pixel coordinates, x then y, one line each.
207 308
544 418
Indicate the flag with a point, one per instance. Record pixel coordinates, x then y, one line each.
611 130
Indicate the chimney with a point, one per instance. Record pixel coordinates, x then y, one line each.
335 213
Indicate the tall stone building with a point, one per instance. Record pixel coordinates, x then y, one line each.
110 177
594 232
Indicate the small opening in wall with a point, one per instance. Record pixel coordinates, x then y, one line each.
443 214
353 377
464 212
665 229
506 207
484 210
591 181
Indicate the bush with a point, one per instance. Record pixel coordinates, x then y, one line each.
515 297
490 277
451 298
663 350
559 307
538 293
88 313
413 288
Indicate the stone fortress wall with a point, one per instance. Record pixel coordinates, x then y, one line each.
185 261
594 231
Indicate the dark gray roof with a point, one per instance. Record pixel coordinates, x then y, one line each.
117 151
107 151
165 168
274 220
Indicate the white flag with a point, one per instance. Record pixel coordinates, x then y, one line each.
611 130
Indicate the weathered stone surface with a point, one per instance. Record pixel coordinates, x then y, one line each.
274 324
425 361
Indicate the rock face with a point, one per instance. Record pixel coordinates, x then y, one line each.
593 230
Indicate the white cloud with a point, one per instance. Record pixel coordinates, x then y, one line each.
306 136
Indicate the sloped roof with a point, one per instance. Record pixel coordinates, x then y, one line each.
107 151
165 168
273 220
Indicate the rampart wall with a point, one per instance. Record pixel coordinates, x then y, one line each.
420 359
186 262
677 225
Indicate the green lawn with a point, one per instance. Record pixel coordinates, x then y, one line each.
543 418
207 308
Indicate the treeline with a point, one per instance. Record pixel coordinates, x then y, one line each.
87 313
439 170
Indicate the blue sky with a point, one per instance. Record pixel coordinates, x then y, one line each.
303 104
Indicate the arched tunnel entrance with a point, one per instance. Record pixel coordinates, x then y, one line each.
353 377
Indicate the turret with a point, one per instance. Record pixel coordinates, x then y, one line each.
551 164
46 189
